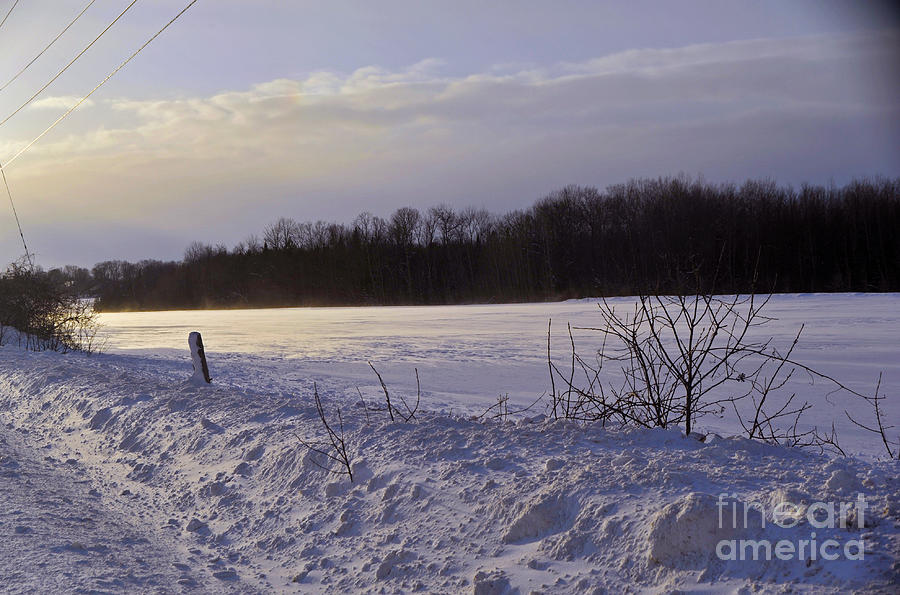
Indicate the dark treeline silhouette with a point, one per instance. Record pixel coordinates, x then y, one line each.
665 235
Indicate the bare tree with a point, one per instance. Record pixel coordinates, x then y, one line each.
404 225
427 229
448 223
476 224
778 423
363 225
282 235
197 252
253 243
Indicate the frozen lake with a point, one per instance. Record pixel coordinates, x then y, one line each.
468 355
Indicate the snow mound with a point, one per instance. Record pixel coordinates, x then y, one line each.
843 482
491 583
684 534
543 515
217 479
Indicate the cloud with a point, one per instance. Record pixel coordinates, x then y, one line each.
333 143
59 102
636 86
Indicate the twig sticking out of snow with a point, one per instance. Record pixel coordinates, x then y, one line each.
501 411
335 448
365 407
411 411
387 395
879 428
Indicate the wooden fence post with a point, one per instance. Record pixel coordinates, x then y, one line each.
198 357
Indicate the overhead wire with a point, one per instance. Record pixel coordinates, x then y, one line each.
16 216
100 84
3 172
9 12
48 46
72 109
66 67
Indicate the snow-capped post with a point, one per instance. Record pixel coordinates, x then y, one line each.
198 356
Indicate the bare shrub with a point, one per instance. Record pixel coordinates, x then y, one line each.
334 448
680 358
673 353
47 314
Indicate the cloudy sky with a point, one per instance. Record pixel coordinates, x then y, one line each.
247 110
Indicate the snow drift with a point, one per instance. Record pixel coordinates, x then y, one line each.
216 476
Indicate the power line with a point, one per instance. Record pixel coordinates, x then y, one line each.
72 109
54 40
9 12
16 215
66 67
103 82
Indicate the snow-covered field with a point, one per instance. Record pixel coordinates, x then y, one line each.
469 355
118 474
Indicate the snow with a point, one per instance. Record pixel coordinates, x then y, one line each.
209 484
467 356
61 535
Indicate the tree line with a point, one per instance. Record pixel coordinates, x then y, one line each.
663 236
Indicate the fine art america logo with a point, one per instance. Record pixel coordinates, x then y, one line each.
822 516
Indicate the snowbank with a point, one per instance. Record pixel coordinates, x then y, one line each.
440 504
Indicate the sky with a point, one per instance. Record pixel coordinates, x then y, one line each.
244 111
